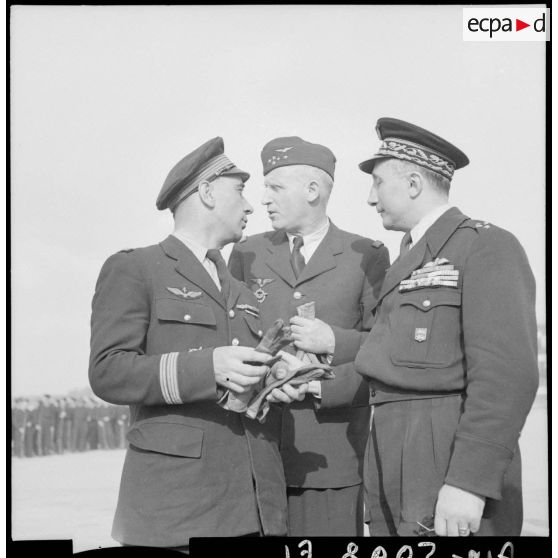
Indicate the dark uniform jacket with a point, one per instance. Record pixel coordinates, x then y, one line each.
479 339
321 449
192 469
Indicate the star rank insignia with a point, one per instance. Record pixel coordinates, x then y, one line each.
274 159
260 294
184 292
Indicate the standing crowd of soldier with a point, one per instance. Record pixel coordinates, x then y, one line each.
47 425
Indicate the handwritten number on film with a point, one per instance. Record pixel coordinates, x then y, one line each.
404 552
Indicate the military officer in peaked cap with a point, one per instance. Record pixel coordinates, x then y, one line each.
306 258
169 335
452 355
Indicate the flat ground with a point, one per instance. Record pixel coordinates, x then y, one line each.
73 496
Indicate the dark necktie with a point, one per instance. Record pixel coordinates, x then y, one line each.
405 244
297 259
224 274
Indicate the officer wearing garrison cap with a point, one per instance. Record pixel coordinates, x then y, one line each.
452 356
170 334
308 259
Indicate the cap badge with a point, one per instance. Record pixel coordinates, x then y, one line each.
260 294
184 292
284 149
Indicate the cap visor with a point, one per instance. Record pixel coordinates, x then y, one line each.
368 165
235 171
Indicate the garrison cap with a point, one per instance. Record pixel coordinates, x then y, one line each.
205 163
408 142
283 152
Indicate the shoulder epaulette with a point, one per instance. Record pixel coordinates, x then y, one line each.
377 243
476 224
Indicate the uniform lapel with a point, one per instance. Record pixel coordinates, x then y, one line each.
279 258
428 247
190 267
234 292
323 258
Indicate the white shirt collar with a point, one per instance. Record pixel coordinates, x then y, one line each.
198 249
311 241
419 230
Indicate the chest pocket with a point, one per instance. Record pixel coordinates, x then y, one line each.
254 325
426 329
185 312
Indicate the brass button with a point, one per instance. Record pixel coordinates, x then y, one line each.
426 303
235 342
373 392
187 317
297 295
231 313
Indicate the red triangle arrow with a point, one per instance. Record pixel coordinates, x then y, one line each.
519 25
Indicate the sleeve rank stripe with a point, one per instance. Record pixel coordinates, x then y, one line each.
173 378
163 380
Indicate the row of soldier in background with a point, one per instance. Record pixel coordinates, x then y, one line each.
47 425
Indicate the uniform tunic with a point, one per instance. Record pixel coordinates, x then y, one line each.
321 449
192 469
453 374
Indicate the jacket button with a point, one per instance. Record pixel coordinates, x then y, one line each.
260 333
187 317
297 295
426 303
235 342
373 392
231 313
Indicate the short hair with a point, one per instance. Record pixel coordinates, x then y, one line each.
309 173
439 182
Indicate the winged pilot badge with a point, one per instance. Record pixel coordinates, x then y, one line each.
184 292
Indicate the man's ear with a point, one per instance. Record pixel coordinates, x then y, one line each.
312 191
206 193
416 184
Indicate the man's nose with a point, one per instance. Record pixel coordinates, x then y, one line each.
248 209
372 197
265 198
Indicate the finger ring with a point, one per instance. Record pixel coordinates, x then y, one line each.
463 531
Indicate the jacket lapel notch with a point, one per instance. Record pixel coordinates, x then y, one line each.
190 268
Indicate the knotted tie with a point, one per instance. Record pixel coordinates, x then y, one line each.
405 244
224 274
297 259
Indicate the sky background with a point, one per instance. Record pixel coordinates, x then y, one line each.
105 100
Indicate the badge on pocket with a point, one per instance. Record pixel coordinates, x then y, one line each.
420 334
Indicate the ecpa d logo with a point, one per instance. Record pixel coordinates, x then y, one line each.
506 24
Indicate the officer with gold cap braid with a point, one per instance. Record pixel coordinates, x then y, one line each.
452 356
168 339
307 259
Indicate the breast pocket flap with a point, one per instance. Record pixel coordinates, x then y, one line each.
428 299
173 310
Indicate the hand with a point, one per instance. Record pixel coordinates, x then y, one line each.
312 336
287 393
238 368
458 512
